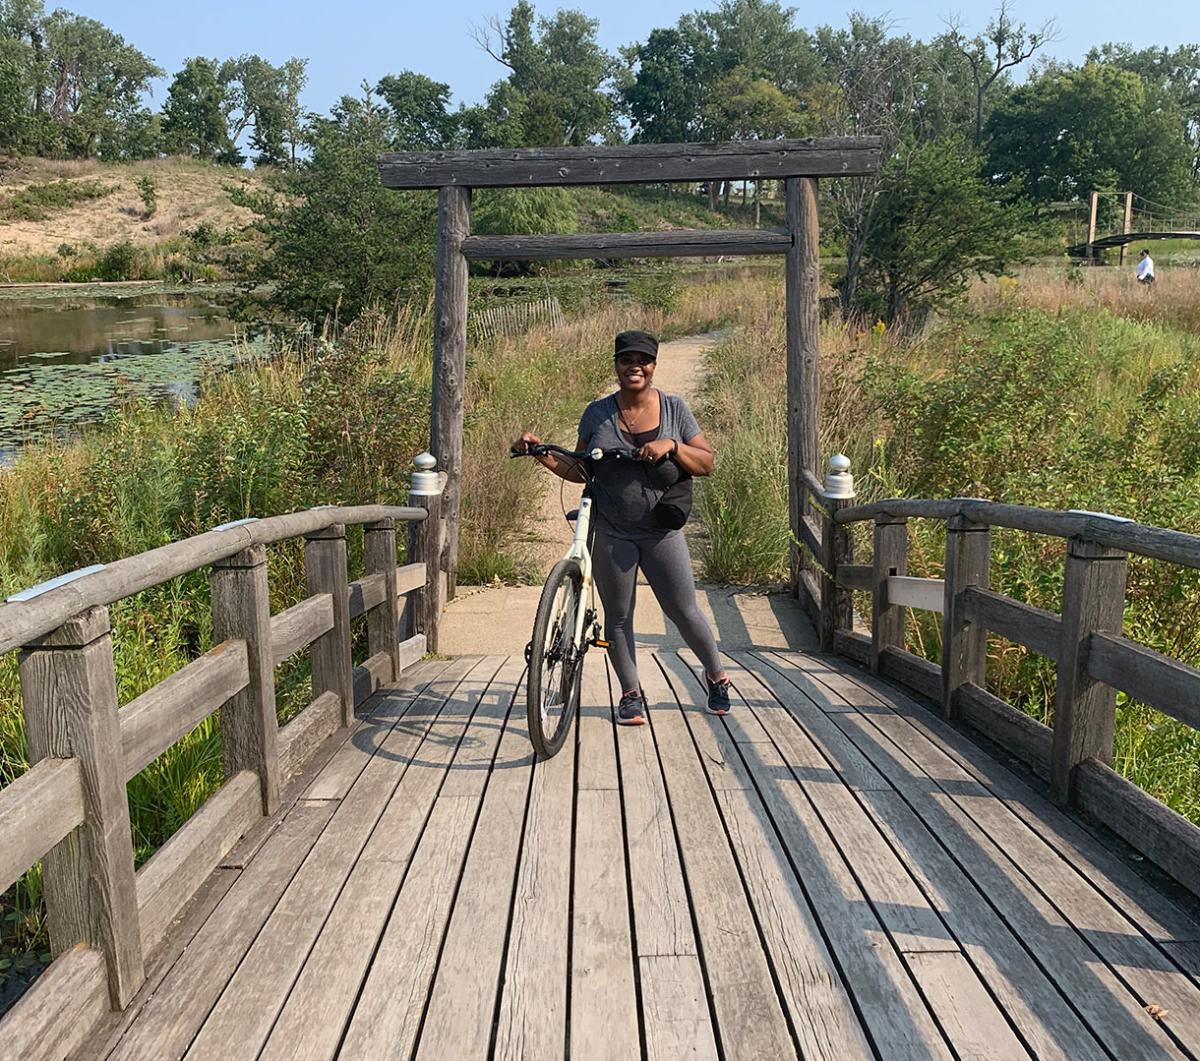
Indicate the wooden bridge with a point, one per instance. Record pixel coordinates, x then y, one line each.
871 856
1147 223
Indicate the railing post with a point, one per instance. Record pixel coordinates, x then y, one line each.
964 644
837 604
891 558
383 621
249 726
424 547
326 572
69 690
1084 709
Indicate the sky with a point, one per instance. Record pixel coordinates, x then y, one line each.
352 40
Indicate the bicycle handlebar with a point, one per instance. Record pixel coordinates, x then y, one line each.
542 448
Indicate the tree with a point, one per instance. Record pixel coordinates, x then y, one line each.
337 240
420 109
1076 130
938 223
193 120
258 92
664 98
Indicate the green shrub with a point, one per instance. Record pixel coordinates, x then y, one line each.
147 188
37 202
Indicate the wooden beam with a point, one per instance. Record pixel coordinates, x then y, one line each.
325 570
682 244
383 620
37 810
923 594
632 163
450 363
1165 684
964 643
1036 629
890 561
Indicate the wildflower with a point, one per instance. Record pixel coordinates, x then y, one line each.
879 328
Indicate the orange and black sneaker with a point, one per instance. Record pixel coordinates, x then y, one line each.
631 711
718 696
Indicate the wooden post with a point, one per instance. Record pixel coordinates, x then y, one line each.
1084 709
69 690
1091 240
803 278
1127 225
450 361
249 726
325 568
383 621
424 611
891 558
837 604
964 644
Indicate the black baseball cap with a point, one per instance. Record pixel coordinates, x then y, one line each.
635 342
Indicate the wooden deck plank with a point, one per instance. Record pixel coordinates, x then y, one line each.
462 1003
675 1009
473 761
316 1012
1110 1010
242 1019
748 1010
604 1001
597 758
178 1008
532 1015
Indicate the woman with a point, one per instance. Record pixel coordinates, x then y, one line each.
670 446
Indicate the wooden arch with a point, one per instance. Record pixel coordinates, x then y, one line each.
799 163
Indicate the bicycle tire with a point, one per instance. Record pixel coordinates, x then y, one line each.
555 686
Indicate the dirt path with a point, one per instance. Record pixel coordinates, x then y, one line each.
678 372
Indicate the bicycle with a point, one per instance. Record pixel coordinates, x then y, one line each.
564 622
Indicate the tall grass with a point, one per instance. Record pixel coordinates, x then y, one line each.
1041 392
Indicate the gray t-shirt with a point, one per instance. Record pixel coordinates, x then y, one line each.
626 492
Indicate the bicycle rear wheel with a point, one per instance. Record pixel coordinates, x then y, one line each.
555 661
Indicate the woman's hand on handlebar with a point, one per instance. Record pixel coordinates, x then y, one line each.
525 441
657 450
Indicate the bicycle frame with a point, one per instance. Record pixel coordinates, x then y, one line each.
580 550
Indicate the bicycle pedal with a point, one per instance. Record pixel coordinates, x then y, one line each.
600 643
528 653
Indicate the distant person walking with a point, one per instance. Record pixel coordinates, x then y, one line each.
1145 268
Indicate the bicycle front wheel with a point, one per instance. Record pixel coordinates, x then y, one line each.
555 660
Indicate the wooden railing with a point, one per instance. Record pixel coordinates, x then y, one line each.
1093 658
70 808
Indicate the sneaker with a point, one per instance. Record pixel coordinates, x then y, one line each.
718 696
631 711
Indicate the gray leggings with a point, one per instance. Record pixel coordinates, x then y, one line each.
668 567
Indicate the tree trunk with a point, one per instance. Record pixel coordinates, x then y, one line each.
728 185
854 253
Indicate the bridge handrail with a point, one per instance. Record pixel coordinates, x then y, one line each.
70 808
1094 660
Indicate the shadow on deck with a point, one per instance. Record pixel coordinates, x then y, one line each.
829 871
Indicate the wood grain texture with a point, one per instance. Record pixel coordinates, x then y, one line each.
964 644
854 576
409 653
890 560
366 593
597 754
605 245
383 620
928 594
450 364
57 1014
300 625
241 604
423 612
305 733
675 1010
37 810
372 675
1166 684
68 687
1085 710
1036 629
1016 732
325 572
177 870
632 163
409 577
170 710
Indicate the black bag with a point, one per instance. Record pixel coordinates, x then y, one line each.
675 505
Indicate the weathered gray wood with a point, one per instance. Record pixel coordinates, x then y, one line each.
802 273
1085 710
450 363
56 1015
241 607
37 810
1036 629
890 560
597 755
1169 840
605 245
177 870
305 733
325 571
1012 729
675 1010
964 644
912 671
169 711
300 625
410 577
927 594
837 605
810 535
815 487
854 576
409 652
632 163
69 691
383 620
373 674
366 593
1170 686
22 622
853 645
424 610
809 596
604 1014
